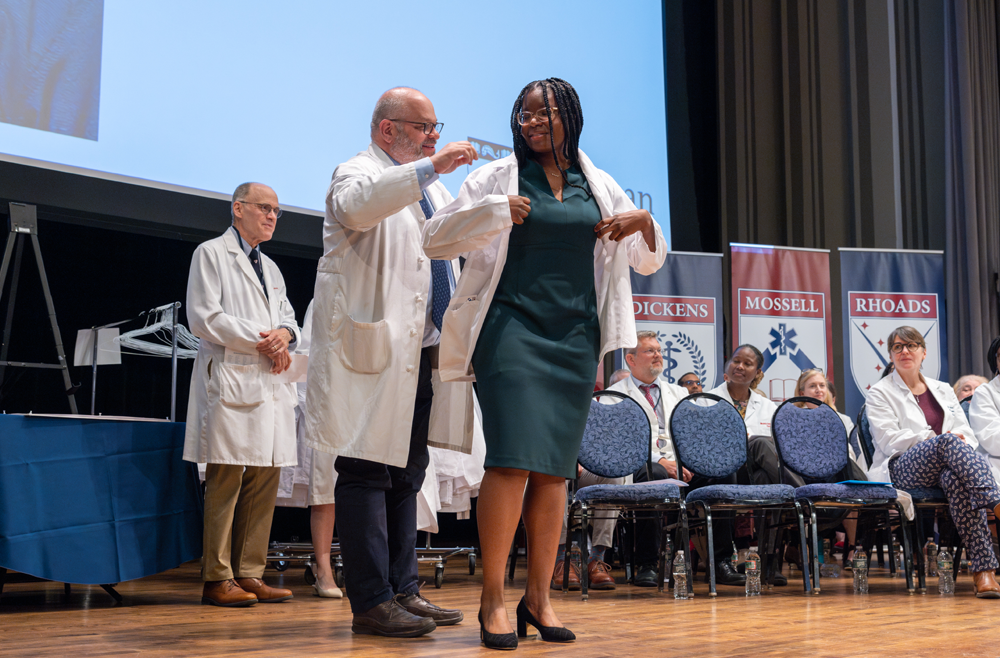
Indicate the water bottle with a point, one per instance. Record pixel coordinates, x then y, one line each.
860 568
897 557
735 559
946 576
930 557
753 573
680 576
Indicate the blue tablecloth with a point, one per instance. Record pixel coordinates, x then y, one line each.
96 501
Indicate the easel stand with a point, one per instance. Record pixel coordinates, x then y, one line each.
23 221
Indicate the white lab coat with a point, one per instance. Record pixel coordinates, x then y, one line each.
369 309
670 395
760 410
478 224
236 413
984 417
898 423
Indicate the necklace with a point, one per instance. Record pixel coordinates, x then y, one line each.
559 175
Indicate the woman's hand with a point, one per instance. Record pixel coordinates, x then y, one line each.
618 227
520 206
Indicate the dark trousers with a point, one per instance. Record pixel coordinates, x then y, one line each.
377 513
648 530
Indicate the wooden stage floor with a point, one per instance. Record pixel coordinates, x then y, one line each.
162 616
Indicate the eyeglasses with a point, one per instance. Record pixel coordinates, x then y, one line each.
428 128
524 118
897 348
265 208
689 382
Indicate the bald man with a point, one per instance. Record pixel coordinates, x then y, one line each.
376 327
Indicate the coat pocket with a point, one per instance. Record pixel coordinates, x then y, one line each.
240 386
365 347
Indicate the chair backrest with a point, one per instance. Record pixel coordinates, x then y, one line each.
709 439
966 403
617 438
852 438
865 436
810 442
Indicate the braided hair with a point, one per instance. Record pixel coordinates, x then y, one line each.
571 114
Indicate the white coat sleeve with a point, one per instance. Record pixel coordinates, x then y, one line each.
985 420
287 312
205 314
642 260
359 199
470 222
962 425
886 431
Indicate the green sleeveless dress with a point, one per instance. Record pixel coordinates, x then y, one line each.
536 357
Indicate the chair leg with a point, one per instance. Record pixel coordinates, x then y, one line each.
815 548
907 550
566 552
686 547
3 578
584 551
803 539
710 557
513 554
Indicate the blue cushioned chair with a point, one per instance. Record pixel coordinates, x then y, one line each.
710 440
617 443
813 444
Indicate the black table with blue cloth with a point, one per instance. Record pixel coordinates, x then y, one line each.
93 501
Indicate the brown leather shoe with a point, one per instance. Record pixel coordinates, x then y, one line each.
391 619
417 605
574 576
985 585
265 593
227 594
598 576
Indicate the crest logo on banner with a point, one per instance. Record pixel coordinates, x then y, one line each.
686 329
873 316
789 328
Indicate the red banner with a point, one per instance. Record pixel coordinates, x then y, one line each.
781 306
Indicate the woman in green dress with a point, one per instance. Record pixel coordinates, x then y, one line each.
544 294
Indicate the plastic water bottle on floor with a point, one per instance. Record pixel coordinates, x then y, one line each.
753 573
735 559
680 576
946 575
930 557
860 569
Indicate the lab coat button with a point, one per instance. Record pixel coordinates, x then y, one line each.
409 368
413 332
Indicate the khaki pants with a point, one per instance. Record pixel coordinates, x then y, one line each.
602 519
239 505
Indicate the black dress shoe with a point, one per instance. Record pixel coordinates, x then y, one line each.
780 580
548 633
391 620
646 576
726 575
421 607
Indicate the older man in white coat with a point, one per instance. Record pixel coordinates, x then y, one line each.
240 422
376 326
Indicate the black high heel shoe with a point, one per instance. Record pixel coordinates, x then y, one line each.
501 641
548 633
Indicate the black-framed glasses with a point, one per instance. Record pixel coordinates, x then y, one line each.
428 128
690 382
524 118
265 208
897 348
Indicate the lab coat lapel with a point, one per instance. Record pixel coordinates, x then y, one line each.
243 262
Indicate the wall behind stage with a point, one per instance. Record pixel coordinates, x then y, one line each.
98 276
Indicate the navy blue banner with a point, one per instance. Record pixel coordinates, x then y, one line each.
682 303
883 290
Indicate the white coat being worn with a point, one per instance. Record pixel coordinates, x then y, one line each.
760 410
984 417
478 223
236 413
370 305
670 395
898 423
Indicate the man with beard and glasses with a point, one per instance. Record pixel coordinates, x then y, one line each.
377 313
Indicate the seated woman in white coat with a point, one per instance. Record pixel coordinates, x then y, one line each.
984 411
922 439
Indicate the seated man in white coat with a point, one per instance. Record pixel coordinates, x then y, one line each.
240 422
658 399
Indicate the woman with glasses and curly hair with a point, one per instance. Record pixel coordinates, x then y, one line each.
544 294
922 439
